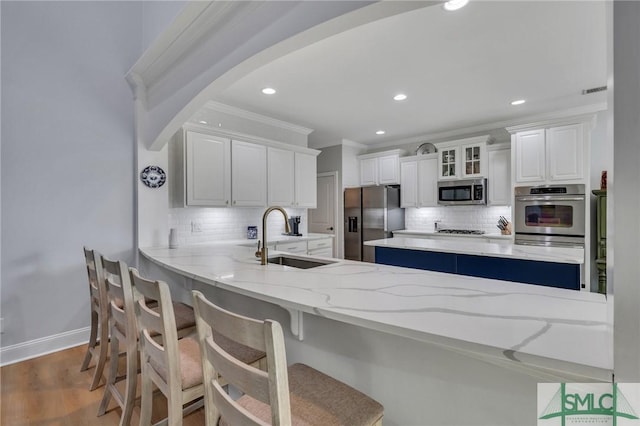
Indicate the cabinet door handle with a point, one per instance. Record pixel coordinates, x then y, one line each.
330 228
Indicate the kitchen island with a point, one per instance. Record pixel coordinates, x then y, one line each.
392 332
549 266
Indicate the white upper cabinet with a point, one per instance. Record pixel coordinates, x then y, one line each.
380 168
499 177
448 159
463 158
281 176
211 170
207 166
200 170
428 182
474 160
530 156
389 170
551 153
291 178
409 183
368 171
248 174
306 186
565 152
418 181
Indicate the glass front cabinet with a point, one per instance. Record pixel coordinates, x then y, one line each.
463 158
448 162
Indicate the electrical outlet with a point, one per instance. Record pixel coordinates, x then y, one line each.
196 226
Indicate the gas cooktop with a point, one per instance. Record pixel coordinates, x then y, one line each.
460 231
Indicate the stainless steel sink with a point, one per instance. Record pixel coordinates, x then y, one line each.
296 262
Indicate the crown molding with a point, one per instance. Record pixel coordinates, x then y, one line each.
238 112
560 115
197 20
234 135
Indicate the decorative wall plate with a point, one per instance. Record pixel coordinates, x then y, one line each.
153 176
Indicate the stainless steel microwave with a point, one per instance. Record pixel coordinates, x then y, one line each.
462 192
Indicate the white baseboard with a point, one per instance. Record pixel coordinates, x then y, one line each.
43 346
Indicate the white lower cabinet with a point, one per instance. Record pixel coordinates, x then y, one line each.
299 247
322 247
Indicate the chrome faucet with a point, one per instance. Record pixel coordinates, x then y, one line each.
263 253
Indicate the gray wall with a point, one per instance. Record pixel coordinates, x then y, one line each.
623 196
156 16
330 159
67 156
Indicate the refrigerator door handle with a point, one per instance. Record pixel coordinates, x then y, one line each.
385 215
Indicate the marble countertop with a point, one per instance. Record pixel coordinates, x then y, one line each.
434 234
532 326
504 249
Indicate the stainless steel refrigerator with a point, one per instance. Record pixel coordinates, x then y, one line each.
370 213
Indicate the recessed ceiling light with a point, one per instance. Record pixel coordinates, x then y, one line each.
400 97
268 91
202 122
380 132
452 5
518 102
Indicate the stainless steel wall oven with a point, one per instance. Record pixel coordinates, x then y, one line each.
551 215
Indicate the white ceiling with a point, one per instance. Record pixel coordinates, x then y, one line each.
459 69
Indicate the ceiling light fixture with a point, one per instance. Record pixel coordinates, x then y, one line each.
268 91
400 97
518 102
380 132
452 5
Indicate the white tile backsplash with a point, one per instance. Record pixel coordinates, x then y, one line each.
218 224
481 218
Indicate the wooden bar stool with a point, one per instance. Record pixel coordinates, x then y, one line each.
99 335
297 395
173 365
123 329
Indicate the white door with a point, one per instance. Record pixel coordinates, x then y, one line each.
322 220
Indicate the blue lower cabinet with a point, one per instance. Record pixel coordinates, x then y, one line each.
551 274
428 260
561 275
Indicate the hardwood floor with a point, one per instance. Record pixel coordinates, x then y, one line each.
51 391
